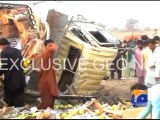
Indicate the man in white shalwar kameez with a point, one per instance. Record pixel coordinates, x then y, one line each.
153 71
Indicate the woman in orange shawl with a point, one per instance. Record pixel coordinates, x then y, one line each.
47 85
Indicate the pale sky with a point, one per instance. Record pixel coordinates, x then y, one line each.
115 13
111 13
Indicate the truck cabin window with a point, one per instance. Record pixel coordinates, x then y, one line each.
80 35
105 37
99 36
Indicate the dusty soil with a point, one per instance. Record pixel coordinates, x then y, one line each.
119 88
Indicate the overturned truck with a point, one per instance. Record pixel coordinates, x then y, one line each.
85 50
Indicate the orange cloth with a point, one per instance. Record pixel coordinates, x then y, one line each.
47 85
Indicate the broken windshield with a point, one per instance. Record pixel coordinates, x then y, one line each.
104 36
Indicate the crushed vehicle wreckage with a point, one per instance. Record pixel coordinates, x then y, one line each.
82 46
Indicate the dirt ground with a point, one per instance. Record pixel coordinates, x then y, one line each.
119 88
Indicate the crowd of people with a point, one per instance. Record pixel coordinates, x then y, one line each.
145 57
152 79
135 60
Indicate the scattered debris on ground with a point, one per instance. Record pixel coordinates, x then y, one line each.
104 97
105 105
63 110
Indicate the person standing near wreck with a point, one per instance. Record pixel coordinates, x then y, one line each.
14 77
117 62
153 73
47 85
139 62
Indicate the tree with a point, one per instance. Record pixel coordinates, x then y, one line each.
131 25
